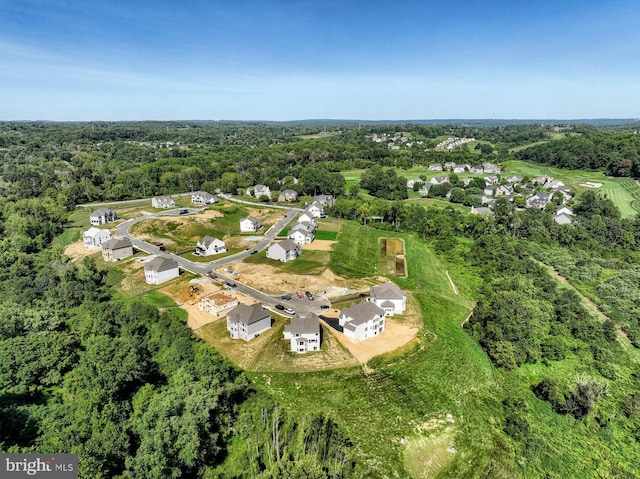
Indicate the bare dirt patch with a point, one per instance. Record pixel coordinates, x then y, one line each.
394 336
272 280
319 245
76 251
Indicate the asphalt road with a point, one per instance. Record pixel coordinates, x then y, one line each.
302 305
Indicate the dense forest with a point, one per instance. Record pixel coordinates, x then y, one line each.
135 394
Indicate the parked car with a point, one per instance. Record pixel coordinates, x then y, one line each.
280 307
324 306
183 212
286 297
231 284
253 251
289 311
309 295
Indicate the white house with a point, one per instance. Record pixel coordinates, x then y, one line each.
203 198
303 333
315 209
458 169
301 236
162 202
250 224
285 250
305 226
246 322
413 181
389 297
563 216
116 249
539 200
94 238
209 245
306 216
216 302
102 216
160 270
435 167
324 200
513 179
476 170
362 320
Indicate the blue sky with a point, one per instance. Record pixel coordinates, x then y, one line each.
287 60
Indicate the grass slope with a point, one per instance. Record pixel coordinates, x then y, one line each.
395 409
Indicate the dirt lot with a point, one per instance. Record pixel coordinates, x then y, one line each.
319 245
272 280
76 251
197 319
395 335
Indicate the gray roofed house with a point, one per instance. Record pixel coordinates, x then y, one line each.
203 198
362 320
476 170
539 200
248 321
324 200
103 216
481 210
491 180
162 202
435 167
285 250
94 238
303 333
513 179
160 270
563 215
116 249
389 297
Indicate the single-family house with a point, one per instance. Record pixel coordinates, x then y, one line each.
362 320
490 190
439 180
306 217
102 216
563 215
389 297
513 179
217 302
450 192
466 181
324 200
449 165
476 170
503 190
316 210
162 202
310 226
303 333
566 192
94 238
301 236
539 200
248 321
159 270
541 180
116 249
424 190
490 168
491 180
435 167
553 184
250 225
413 181
284 250
258 191
288 195
209 245
203 198
482 211
458 169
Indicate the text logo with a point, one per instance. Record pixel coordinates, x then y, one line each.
46 466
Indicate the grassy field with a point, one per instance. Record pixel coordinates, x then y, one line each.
396 411
624 192
309 262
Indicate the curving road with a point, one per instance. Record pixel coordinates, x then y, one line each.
302 305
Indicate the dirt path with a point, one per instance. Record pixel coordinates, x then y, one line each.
587 302
453 286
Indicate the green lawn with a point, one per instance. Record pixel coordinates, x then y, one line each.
406 396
